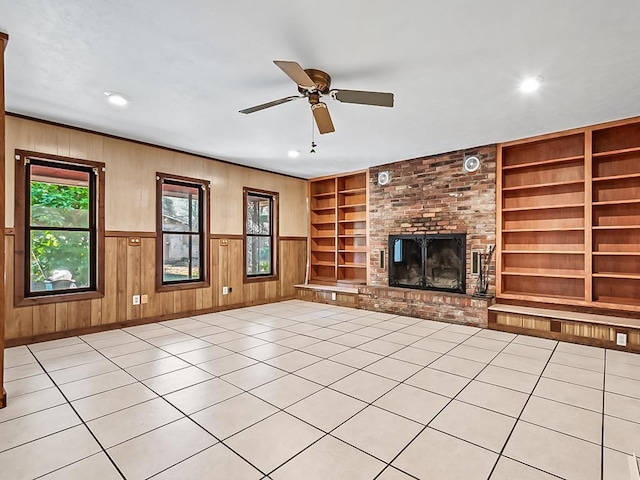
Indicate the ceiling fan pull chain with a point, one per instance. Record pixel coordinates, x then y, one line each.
313 133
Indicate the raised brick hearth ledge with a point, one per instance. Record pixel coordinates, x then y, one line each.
430 305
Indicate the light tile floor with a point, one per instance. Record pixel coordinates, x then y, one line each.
298 390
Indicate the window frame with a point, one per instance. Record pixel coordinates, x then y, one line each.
204 187
275 237
22 222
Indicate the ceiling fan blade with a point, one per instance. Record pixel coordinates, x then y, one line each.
296 73
257 108
364 98
322 117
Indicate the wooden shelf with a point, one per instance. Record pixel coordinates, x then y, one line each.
544 162
543 207
544 298
352 191
324 195
622 151
545 252
616 177
347 196
617 202
550 174
616 227
351 281
322 222
323 278
546 275
622 254
355 206
626 276
542 185
555 229
323 209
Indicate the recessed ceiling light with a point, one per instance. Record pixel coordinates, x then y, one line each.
294 153
531 84
116 99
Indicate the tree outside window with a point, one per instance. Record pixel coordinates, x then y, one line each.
58 227
260 223
181 230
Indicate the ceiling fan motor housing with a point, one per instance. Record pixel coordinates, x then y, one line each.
321 79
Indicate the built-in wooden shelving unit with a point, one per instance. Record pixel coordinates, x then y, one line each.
569 218
339 228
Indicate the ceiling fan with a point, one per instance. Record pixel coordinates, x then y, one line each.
312 84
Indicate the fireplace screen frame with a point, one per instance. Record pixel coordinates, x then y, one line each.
424 241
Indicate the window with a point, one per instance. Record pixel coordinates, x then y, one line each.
182 232
260 234
59 228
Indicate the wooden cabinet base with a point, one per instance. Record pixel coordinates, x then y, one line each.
565 326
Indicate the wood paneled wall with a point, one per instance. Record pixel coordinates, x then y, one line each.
130 212
131 178
130 270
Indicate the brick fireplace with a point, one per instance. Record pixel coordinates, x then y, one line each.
432 196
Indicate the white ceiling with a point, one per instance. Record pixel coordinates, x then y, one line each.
454 66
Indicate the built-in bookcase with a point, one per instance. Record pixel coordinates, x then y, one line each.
569 218
338 233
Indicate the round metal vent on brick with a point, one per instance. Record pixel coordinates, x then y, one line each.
384 178
471 164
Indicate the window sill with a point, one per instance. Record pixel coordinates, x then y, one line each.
261 278
181 286
56 298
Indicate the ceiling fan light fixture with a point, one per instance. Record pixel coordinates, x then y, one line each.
531 84
117 99
294 153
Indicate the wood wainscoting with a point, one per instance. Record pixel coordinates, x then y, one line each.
130 270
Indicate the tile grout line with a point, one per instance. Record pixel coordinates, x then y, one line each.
279 410
604 386
325 434
369 404
520 415
264 362
320 358
169 423
244 391
389 464
81 420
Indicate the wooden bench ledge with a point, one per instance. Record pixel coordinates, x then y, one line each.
328 288
564 315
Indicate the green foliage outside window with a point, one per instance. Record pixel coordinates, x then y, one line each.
55 205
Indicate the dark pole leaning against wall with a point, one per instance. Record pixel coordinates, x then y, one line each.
4 38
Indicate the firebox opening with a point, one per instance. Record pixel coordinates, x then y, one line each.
428 262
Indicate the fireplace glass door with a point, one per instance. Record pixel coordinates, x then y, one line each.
429 262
